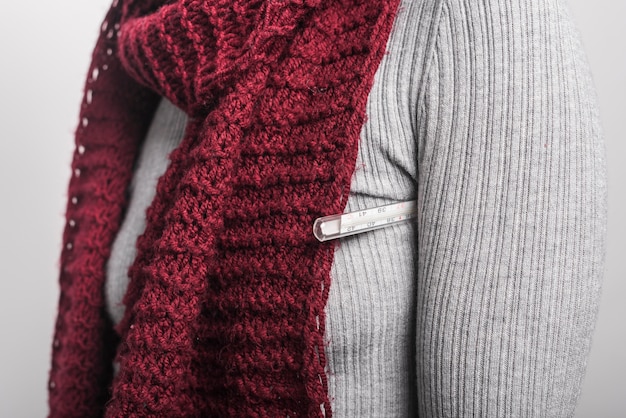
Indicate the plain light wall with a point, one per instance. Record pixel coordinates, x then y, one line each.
45 49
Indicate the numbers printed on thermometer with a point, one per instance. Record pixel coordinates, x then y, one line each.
338 226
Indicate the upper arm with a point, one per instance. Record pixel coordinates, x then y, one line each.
512 212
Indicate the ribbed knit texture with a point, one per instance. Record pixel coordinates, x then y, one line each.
226 301
165 133
513 206
489 112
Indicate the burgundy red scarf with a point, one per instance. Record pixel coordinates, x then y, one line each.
225 306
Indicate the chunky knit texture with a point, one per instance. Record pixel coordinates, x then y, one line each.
225 308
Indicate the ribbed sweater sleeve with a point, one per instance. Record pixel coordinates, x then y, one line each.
512 213
486 113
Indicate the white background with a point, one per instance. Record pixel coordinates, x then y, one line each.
45 48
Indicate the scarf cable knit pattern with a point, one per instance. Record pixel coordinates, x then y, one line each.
225 307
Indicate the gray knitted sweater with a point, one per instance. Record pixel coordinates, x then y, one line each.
485 112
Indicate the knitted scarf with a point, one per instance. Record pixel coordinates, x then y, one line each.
225 306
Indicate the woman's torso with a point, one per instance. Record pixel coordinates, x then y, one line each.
370 318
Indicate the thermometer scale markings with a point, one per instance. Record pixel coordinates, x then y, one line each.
337 226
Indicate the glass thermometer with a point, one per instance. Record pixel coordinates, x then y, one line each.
339 226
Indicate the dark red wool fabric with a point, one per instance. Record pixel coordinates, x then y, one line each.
225 307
